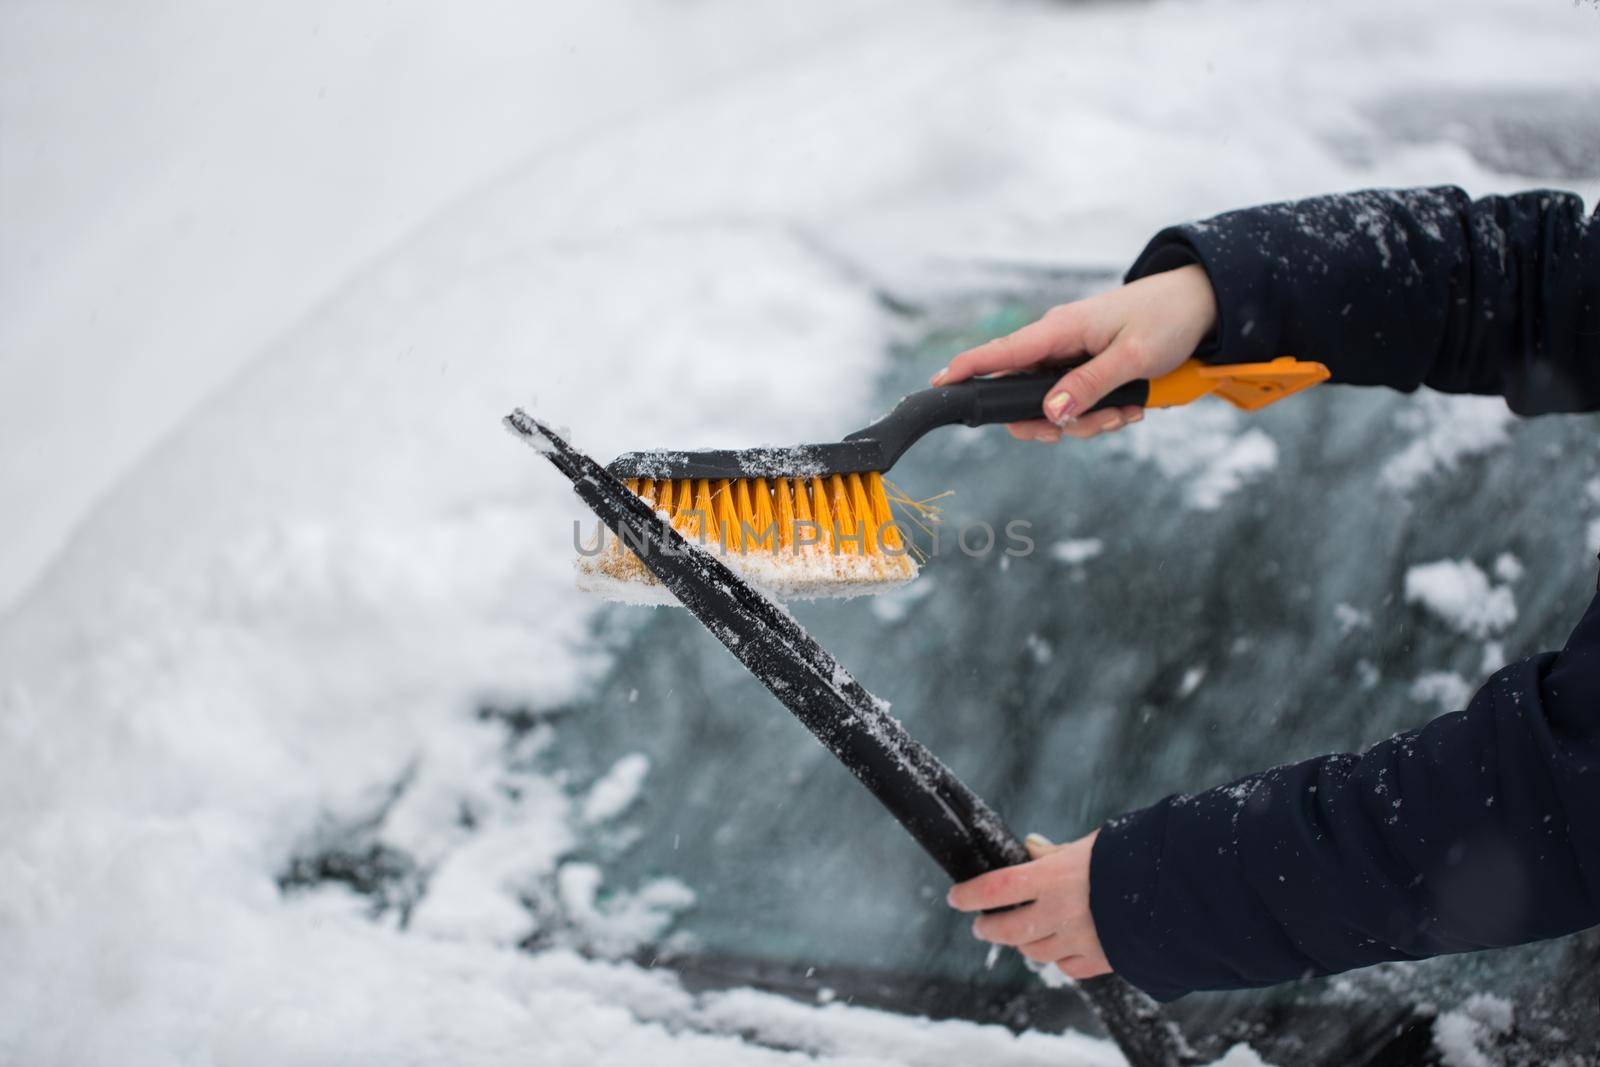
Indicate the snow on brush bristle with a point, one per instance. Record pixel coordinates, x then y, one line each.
794 537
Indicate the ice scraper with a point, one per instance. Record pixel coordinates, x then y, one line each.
815 520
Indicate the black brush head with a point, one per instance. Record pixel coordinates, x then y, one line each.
796 461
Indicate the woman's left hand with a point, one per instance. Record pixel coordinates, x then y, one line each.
1054 924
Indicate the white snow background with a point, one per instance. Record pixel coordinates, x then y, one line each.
270 276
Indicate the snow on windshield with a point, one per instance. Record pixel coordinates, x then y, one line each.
281 625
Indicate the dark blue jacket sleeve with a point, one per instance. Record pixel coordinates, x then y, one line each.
1479 830
1409 287
1482 828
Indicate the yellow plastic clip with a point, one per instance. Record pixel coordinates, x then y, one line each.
1247 386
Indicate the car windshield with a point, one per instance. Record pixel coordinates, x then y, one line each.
1165 611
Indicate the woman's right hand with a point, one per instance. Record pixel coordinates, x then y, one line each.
1144 329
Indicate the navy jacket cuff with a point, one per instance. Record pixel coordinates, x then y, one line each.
1124 879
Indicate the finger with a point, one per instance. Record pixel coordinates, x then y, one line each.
1059 333
1018 927
1082 967
997 889
1039 845
1034 430
1049 949
1081 388
1094 424
1131 415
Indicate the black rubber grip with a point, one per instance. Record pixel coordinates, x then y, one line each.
975 402
1018 397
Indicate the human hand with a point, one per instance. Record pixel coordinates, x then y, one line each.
1144 329
1054 924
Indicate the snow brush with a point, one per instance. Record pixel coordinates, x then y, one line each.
816 520
962 834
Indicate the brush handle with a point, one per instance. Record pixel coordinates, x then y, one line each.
1018 397
976 402
1013 398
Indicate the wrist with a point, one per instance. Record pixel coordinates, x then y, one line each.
1199 300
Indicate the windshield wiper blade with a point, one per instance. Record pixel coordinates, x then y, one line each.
952 824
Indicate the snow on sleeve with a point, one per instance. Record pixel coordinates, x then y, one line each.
1459 594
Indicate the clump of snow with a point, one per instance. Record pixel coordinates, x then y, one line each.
616 924
1592 492
796 573
1367 674
1448 430
1240 1055
1248 455
475 893
895 604
1459 593
835 1030
1445 689
1350 618
1466 1037
1203 447
1507 567
1074 552
617 789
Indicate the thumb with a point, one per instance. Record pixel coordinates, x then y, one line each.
1087 384
1039 845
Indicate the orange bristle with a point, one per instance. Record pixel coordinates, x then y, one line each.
862 507
844 521
882 514
820 513
762 520
786 514
798 536
706 518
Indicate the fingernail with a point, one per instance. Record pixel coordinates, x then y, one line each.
1049 436
1113 423
1058 409
938 379
950 897
1039 841
1137 416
